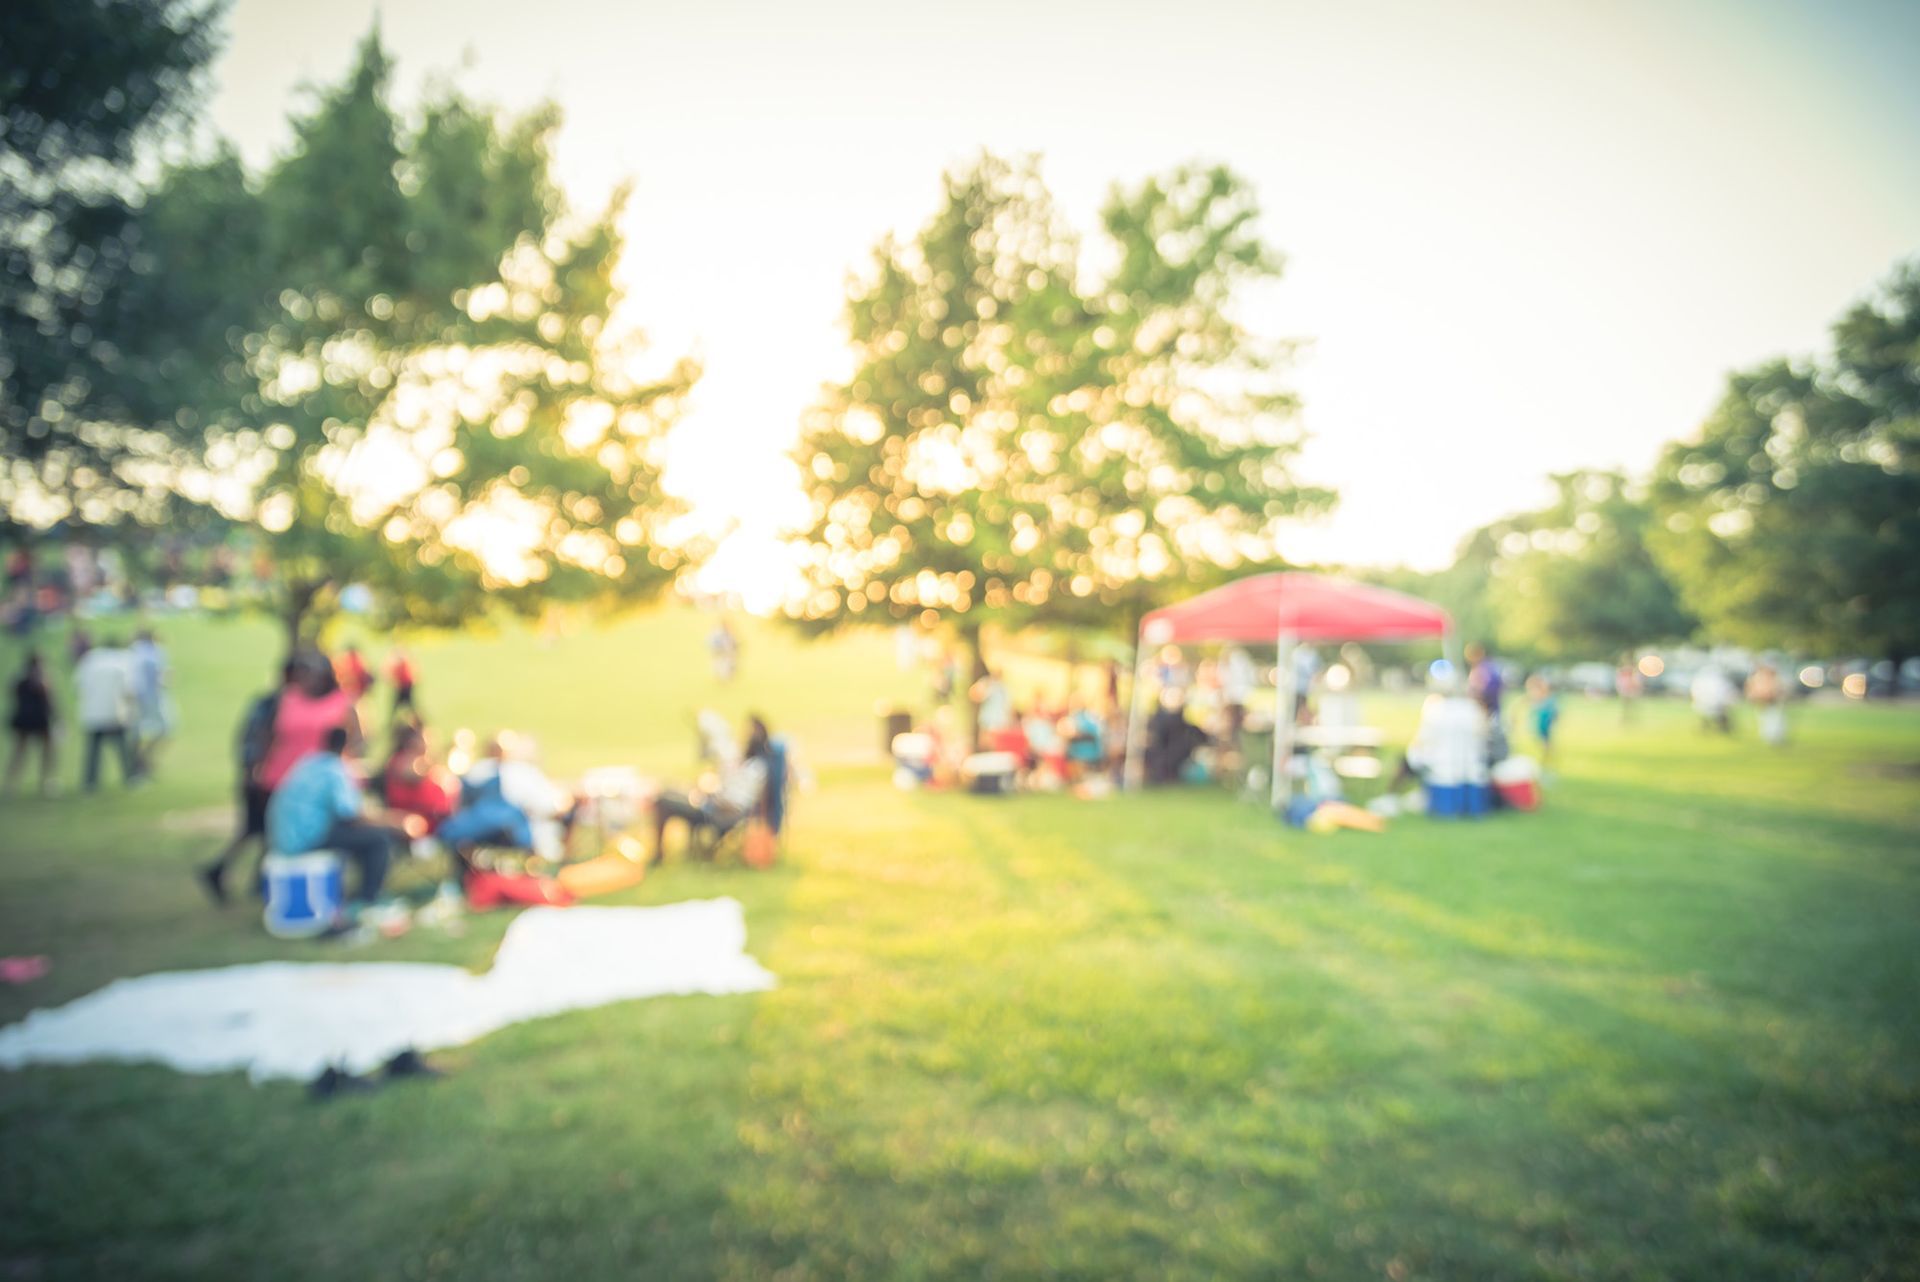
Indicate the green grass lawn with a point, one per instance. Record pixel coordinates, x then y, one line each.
1665 1028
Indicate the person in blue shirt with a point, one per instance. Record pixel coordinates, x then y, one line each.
1546 712
319 806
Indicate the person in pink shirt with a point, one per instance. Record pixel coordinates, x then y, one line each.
309 707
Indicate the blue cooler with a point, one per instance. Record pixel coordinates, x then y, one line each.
304 894
1446 800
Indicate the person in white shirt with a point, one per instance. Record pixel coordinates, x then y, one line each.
740 793
104 705
1713 694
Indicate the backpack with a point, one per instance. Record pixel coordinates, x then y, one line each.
256 732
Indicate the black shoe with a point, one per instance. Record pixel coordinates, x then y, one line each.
409 1064
214 878
334 1082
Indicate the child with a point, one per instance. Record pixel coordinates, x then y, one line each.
1546 711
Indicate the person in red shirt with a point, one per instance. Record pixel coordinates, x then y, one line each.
413 783
311 705
400 672
352 673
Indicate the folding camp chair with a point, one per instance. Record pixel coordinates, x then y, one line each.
775 803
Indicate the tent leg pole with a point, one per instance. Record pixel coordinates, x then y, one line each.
1285 698
1135 772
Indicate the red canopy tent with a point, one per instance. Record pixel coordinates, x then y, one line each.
1282 609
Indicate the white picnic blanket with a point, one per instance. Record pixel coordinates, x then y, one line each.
293 1019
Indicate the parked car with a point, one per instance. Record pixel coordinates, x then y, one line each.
1591 678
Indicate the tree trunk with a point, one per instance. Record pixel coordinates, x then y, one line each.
976 669
300 598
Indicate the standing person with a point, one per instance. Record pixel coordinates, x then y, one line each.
1237 677
19 571
353 674
1713 696
104 706
310 706
1769 699
20 597
255 739
1172 671
153 720
1546 712
81 574
400 672
944 668
995 705
79 641
1484 681
31 722
1628 686
725 648
319 806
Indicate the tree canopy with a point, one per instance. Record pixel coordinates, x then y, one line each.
86 92
1793 517
425 393
1576 579
1034 434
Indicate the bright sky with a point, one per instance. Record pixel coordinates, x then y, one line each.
1522 236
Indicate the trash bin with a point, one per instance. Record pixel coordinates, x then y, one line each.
893 722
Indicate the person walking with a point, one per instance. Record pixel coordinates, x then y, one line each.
351 670
1769 698
255 739
31 722
104 706
1713 694
400 672
725 649
1484 681
1546 715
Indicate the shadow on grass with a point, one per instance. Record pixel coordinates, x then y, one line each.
1213 1053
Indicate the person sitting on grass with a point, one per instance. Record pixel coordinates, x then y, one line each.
1086 739
506 800
319 806
741 789
1046 749
413 783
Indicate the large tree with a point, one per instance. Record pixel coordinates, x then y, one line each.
429 397
1576 579
1793 517
1034 435
87 91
